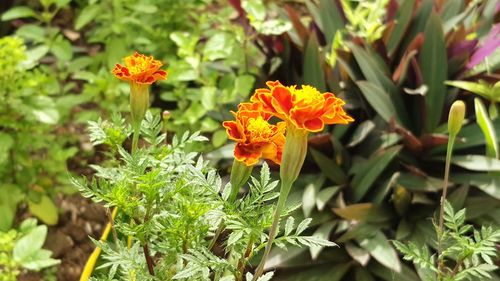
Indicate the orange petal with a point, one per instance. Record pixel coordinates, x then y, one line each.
234 131
314 125
282 100
248 156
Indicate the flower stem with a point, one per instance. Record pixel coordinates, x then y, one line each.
292 160
90 264
440 260
274 227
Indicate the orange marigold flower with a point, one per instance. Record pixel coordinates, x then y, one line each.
255 137
306 108
140 69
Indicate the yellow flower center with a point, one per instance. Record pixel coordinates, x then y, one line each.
307 95
137 65
259 129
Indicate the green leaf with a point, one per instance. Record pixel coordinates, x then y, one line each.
403 18
10 196
7 142
86 16
256 10
29 244
477 162
376 71
40 260
380 249
487 182
310 194
32 32
45 210
434 66
219 46
62 49
370 171
17 13
329 168
486 126
313 70
363 212
331 19
219 138
419 183
379 100
322 232
289 225
361 132
324 195
481 89
43 108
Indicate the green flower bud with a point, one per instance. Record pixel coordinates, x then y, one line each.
456 117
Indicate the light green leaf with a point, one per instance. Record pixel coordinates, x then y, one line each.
361 133
45 210
29 244
86 16
289 225
477 162
380 249
309 195
219 46
324 195
62 49
322 232
219 138
17 13
32 32
486 126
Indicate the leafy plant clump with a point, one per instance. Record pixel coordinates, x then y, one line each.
21 250
172 203
468 253
32 157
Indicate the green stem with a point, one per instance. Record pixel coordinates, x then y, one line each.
135 139
451 142
285 189
243 260
292 160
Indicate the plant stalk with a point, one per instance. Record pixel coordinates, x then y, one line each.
272 232
449 151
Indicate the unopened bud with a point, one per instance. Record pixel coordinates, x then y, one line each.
166 115
456 117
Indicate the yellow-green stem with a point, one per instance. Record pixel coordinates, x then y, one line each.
451 141
90 264
272 232
292 160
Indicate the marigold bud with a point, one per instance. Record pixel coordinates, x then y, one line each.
456 117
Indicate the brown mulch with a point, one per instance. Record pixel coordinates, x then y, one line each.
69 239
